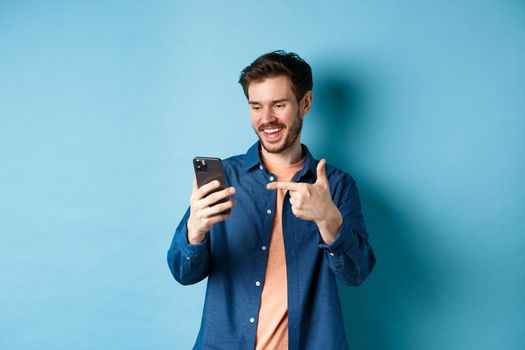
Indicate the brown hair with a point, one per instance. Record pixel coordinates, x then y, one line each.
276 63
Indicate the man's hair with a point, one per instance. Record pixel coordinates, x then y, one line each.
277 63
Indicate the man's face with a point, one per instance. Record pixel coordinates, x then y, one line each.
276 116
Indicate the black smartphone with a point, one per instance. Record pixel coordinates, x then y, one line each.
208 169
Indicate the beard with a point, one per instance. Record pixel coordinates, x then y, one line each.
291 136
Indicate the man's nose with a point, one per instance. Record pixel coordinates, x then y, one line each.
268 116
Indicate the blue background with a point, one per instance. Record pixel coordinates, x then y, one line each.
103 104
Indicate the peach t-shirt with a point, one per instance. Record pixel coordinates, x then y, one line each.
272 325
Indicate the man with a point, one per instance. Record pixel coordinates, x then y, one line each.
272 262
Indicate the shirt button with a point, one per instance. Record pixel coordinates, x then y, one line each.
269 211
271 178
188 258
332 254
257 283
252 320
261 167
263 247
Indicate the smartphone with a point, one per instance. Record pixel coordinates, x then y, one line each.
208 169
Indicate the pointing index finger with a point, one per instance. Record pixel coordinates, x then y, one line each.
284 185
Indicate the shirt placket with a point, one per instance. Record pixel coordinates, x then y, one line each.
267 207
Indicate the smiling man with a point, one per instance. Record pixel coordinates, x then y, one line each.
272 263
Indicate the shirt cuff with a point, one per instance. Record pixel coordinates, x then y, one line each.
190 250
342 243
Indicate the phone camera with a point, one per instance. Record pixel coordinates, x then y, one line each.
200 165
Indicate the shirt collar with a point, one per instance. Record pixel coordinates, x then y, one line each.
253 159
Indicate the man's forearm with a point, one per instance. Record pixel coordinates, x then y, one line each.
330 226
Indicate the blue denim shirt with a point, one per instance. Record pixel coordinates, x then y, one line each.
234 252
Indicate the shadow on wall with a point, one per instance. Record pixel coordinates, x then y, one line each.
406 282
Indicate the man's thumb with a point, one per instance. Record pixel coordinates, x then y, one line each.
321 171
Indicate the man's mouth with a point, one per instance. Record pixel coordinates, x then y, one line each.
270 131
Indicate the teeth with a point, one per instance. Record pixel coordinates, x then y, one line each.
271 131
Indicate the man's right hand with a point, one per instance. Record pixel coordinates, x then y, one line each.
204 213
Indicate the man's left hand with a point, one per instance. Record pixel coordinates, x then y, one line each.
314 202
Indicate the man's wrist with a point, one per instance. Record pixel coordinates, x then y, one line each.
330 226
194 238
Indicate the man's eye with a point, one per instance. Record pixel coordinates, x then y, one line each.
279 105
256 108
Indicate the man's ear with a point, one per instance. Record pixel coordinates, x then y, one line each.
306 102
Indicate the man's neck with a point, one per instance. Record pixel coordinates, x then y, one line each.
291 155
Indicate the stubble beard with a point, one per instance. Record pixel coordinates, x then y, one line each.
291 137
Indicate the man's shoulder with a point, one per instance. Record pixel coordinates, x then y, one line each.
335 172
234 165
340 181
234 161
241 161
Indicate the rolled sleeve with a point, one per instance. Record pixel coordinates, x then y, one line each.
350 256
189 250
342 243
188 262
